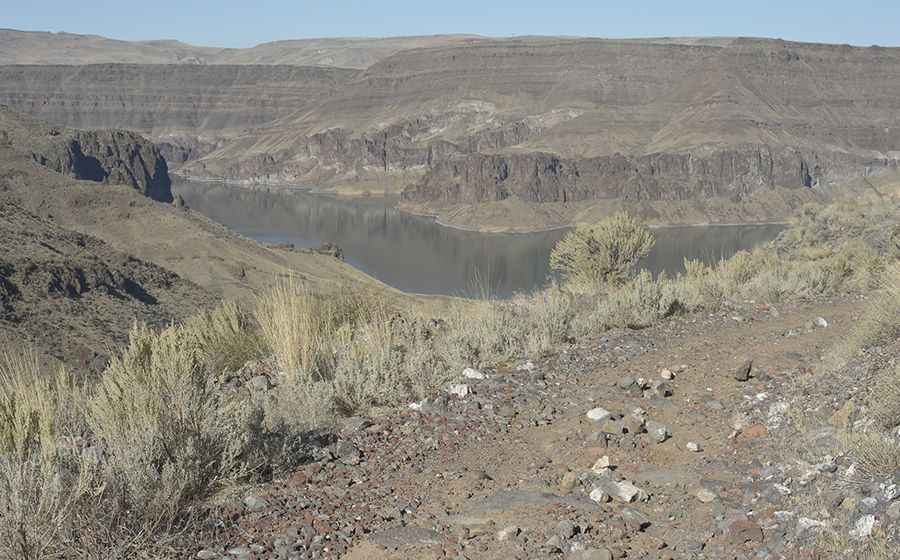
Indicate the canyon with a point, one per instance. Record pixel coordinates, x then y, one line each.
542 130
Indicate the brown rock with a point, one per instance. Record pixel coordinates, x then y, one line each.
744 531
742 373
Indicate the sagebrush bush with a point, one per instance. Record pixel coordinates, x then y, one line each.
41 482
164 427
590 257
169 433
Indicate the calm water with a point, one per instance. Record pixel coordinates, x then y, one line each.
416 255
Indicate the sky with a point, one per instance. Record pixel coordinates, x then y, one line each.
243 23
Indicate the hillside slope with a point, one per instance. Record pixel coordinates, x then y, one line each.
82 260
39 47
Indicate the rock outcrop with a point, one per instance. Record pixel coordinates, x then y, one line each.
116 157
541 177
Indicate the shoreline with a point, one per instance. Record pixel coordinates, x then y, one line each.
435 217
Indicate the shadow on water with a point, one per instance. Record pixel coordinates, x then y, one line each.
414 254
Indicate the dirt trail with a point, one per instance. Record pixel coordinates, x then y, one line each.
505 472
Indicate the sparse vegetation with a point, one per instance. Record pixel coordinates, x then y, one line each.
159 430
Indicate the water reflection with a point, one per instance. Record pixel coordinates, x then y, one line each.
416 255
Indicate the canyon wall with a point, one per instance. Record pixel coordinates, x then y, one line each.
540 119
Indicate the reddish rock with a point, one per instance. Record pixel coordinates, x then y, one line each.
754 431
744 531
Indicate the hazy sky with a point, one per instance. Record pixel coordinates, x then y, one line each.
238 23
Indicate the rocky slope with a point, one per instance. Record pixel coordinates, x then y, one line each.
72 296
115 157
166 99
632 445
538 120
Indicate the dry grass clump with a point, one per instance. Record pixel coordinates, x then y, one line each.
885 405
486 332
835 545
638 304
604 253
877 455
882 319
358 353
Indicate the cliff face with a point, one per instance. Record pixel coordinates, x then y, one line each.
537 177
115 157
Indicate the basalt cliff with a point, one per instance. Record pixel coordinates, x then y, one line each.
461 122
114 157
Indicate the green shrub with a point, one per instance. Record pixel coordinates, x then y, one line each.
590 257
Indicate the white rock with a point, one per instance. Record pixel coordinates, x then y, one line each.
599 496
705 496
805 524
507 533
863 528
415 405
255 503
461 390
694 446
598 414
740 420
623 491
821 322
666 373
527 366
782 489
470 373
602 465
784 515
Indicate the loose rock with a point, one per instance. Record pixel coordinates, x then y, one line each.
706 496
863 527
470 373
659 432
507 533
461 390
255 503
742 373
598 414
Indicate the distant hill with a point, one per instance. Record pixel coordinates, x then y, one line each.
41 47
